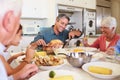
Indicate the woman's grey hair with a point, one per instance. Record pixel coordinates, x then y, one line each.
109 22
61 16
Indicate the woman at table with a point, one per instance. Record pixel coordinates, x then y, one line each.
108 37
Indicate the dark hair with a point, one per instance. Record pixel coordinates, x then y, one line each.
61 16
20 28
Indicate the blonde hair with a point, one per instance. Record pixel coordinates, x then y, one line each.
7 5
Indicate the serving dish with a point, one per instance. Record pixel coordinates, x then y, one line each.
51 67
48 62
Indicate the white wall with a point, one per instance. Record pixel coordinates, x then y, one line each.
52 12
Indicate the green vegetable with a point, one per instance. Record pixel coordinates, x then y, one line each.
52 74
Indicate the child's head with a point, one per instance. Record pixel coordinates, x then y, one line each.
17 38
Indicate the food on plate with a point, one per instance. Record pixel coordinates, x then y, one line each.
78 50
100 70
56 43
52 74
40 53
49 50
49 60
65 77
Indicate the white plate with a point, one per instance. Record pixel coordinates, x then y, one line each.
68 50
61 50
51 67
97 56
45 75
117 57
115 69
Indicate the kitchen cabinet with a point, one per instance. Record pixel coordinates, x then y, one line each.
103 9
101 13
91 4
52 12
69 2
35 9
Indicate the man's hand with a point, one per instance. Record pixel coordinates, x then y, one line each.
41 42
28 71
72 34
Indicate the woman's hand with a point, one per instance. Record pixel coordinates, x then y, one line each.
110 51
85 41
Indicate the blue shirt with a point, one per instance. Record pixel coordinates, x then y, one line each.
117 47
47 34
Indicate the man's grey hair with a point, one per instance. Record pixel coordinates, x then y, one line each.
61 16
7 5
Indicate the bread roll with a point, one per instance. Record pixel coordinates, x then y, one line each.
56 43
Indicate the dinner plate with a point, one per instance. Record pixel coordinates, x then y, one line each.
117 57
45 75
61 50
88 49
68 50
97 56
113 66
51 67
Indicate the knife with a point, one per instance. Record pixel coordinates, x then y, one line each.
66 43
